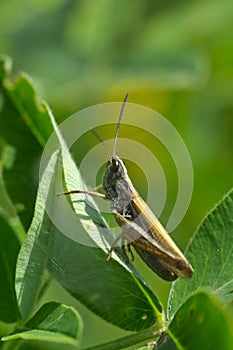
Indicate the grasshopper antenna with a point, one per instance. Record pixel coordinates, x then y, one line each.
119 123
101 141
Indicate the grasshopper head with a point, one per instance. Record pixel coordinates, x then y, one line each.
116 166
115 170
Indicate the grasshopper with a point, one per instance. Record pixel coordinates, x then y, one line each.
140 227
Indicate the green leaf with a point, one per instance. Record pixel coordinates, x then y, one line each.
114 291
58 341
21 179
24 98
211 254
55 317
7 156
53 323
9 247
202 323
7 207
109 290
32 259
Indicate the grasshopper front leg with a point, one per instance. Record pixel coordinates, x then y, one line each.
121 236
90 193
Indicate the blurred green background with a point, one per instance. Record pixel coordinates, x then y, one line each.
173 56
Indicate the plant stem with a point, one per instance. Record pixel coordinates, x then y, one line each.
130 340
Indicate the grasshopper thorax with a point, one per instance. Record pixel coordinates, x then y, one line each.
115 171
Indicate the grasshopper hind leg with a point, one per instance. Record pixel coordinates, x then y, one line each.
130 251
124 251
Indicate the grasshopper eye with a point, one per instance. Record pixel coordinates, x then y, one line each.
115 165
